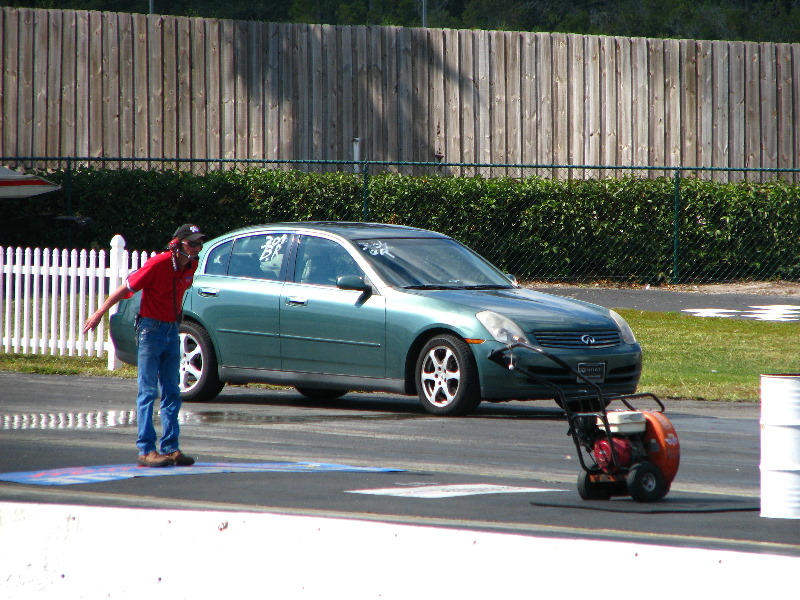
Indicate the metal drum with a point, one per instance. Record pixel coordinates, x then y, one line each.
780 446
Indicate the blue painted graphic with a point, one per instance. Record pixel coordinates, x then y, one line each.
100 474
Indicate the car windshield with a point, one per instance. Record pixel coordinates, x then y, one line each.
431 263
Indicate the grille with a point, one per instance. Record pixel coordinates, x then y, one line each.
578 339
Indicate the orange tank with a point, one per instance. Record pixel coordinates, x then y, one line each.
661 444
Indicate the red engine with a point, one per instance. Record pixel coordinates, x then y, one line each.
601 452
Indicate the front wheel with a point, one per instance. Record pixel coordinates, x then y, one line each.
199 378
447 377
646 482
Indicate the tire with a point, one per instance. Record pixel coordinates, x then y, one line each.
447 377
199 376
321 393
592 490
646 482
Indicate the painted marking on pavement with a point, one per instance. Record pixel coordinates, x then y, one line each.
451 491
100 474
766 312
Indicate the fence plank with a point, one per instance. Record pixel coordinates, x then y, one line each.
227 89
110 77
66 123
705 105
609 144
41 31
184 92
560 100
272 85
9 124
171 99
657 103
796 115
483 115
199 90
752 110
625 102
640 90
405 96
785 112
689 102
54 89
213 115
528 99
592 132
25 74
721 134
140 134
737 107
155 84
241 60
768 93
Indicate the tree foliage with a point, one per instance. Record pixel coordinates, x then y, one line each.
735 20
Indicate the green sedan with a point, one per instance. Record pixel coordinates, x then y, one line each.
330 307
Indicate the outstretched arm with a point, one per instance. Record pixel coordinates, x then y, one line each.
94 320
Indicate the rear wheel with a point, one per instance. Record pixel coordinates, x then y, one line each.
592 490
447 377
321 393
199 378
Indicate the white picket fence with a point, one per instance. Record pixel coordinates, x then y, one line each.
47 294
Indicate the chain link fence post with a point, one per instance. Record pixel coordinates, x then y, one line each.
365 191
676 229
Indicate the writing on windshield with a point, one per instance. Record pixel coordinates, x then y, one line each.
431 263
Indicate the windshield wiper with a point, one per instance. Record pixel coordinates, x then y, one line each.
433 286
487 286
492 286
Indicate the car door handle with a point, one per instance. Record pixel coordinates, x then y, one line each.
208 292
296 301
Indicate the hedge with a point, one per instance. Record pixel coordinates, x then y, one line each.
619 228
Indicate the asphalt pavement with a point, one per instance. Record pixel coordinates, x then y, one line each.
509 467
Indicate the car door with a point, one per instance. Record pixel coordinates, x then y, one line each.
325 329
237 298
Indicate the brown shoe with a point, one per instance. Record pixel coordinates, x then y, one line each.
179 459
154 459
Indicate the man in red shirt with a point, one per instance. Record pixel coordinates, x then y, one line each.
163 281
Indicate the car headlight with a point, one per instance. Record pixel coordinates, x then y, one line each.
624 328
501 328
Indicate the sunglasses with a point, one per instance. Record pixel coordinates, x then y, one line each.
195 244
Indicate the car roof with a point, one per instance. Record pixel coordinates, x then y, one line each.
345 229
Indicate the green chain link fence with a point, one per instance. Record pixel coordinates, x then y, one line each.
570 223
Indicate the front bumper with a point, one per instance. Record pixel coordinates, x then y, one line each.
526 372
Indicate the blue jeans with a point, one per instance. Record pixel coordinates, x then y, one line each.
159 360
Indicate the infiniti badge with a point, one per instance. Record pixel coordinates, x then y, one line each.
587 339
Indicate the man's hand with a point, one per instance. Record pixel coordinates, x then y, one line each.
92 322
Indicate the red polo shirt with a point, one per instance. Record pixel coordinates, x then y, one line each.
162 287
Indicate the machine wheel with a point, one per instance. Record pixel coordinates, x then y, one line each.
321 393
646 482
199 377
447 377
592 490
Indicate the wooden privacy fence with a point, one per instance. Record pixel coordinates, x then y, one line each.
46 296
91 84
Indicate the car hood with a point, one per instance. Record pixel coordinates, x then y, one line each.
529 309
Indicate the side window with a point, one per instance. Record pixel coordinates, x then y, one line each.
217 261
322 262
259 256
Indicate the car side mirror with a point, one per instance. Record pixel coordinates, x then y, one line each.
353 282
511 278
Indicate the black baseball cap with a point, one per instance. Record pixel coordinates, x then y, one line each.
189 232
